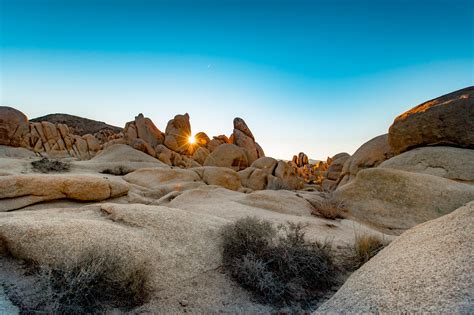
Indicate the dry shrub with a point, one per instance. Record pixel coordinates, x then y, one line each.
365 247
89 284
277 264
46 165
329 208
117 170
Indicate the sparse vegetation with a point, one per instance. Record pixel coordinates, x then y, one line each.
117 171
278 265
89 284
365 247
46 165
329 208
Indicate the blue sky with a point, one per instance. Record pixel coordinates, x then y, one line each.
315 76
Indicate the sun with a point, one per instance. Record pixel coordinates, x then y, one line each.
192 140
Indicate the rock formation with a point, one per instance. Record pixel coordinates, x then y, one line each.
428 269
13 126
446 120
178 131
243 137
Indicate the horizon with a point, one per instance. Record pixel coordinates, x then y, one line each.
306 76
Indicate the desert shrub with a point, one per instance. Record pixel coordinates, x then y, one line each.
365 247
46 165
329 208
89 284
118 170
278 265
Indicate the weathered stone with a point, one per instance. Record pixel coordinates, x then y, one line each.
13 126
228 155
446 120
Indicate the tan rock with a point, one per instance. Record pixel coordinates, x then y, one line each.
217 141
448 162
243 137
446 120
266 164
254 178
394 200
200 155
228 155
202 139
220 176
92 142
178 131
18 191
13 126
370 154
141 145
427 270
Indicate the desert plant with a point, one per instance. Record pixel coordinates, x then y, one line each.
329 208
278 265
117 170
89 284
365 247
46 165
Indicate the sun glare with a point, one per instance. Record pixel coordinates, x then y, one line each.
192 140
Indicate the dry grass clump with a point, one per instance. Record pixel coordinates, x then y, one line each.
92 283
365 247
46 165
329 208
117 171
277 264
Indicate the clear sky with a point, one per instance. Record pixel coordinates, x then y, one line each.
314 76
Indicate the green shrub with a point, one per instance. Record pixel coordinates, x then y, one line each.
278 265
46 165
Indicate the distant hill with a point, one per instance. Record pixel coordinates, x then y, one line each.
78 125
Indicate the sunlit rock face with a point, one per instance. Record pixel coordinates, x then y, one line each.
446 120
143 128
243 137
177 133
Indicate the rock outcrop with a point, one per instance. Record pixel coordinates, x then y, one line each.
18 191
228 155
143 128
448 162
369 155
394 200
243 137
446 120
428 269
178 131
13 126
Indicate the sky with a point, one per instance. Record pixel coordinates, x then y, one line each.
321 77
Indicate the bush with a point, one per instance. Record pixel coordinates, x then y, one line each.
365 247
278 265
46 165
91 283
329 208
117 171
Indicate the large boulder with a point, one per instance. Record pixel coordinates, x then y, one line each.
217 141
13 126
228 155
178 131
243 137
370 154
447 162
220 176
427 270
395 200
18 191
143 128
254 178
446 120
